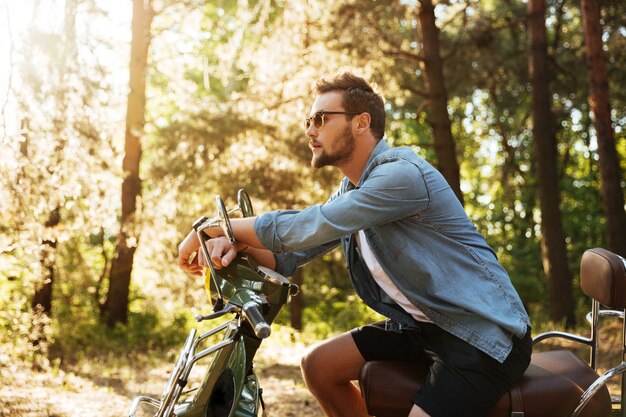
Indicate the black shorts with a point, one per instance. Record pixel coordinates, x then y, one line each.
462 380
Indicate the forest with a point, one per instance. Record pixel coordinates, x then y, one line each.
122 120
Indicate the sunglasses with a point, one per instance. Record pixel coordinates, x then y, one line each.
318 118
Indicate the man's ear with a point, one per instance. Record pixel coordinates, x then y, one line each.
363 122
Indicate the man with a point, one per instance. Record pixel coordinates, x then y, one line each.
413 256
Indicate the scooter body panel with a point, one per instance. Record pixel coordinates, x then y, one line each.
226 389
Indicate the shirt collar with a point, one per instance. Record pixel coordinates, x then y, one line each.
380 147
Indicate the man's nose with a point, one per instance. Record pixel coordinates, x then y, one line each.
311 132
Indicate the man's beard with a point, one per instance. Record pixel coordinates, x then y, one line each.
341 151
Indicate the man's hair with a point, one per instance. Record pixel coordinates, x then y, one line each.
357 96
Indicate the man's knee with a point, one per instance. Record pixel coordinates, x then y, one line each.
312 363
332 362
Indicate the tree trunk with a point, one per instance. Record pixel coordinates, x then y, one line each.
43 292
612 193
42 298
554 253
438 118
115 307
296 306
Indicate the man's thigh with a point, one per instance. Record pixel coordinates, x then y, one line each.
463 380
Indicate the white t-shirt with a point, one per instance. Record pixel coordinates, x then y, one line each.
383 280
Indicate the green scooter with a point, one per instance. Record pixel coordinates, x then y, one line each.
255 295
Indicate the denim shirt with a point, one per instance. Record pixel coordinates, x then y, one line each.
423 240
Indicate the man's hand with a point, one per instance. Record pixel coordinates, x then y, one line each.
221 251
187 248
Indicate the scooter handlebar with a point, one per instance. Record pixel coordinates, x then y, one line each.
252 313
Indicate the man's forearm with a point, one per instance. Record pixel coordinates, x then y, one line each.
244 232
243 229
262 256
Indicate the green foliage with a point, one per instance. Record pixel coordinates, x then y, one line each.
17 320
229 83
337 312
79 333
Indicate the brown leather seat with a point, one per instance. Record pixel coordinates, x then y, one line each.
551 387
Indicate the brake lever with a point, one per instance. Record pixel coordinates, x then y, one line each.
230 308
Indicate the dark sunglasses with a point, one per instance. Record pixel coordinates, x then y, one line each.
318 118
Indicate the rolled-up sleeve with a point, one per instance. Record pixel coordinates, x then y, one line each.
393 190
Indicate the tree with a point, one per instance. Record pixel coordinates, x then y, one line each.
438 118
401 45
554 253
115 308
610 172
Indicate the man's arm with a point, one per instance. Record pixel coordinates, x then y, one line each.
393 190
222 252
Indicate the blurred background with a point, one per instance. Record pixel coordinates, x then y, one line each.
121 120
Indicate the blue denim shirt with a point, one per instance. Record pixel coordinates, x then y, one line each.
422 238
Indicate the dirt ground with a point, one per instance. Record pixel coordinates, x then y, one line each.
90 390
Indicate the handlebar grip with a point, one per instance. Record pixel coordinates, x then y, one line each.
253 314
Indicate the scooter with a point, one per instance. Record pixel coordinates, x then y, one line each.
251 292
557 383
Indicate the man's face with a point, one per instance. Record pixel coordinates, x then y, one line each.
333 143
